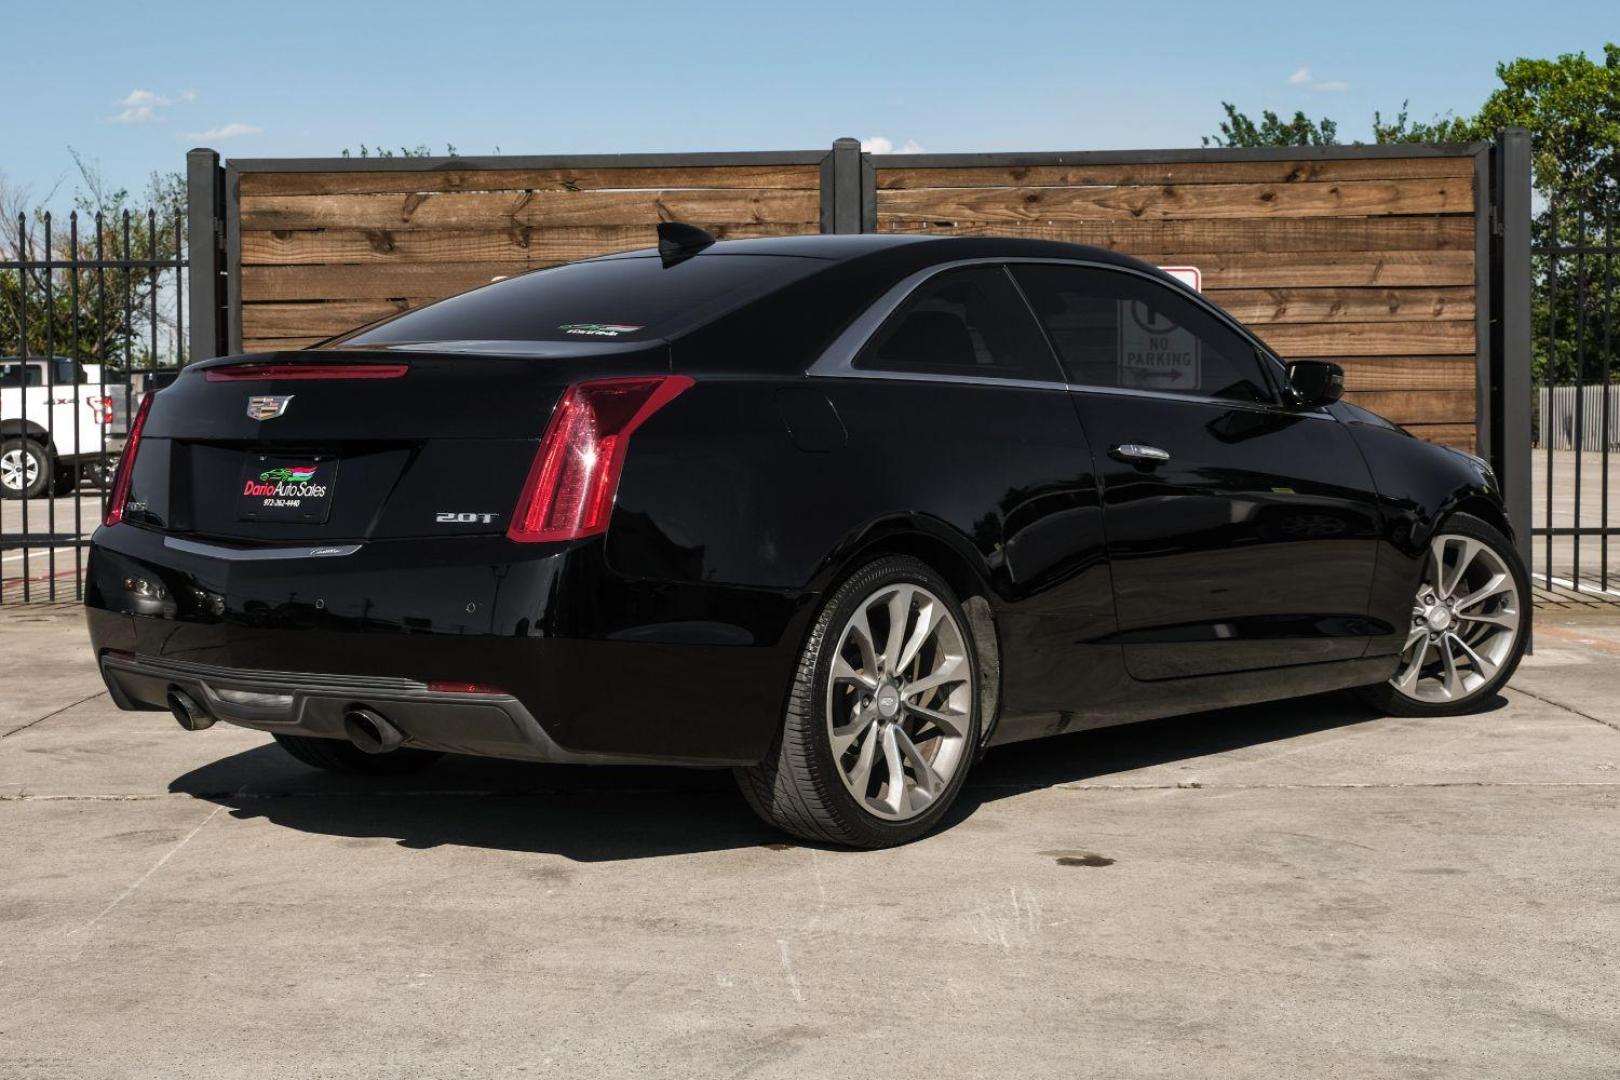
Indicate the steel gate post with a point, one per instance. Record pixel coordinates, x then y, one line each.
205 232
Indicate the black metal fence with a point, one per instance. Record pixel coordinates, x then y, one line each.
1576 306
91 315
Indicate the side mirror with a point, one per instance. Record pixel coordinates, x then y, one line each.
1316 382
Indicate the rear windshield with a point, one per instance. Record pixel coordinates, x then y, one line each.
624 300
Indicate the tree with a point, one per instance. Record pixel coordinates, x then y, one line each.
1239 130
107 312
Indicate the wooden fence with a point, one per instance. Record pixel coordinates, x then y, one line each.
1368 261
1370 256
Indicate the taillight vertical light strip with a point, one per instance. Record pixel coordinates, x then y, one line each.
574 479
126 464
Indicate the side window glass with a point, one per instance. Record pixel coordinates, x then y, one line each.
1119 330
963 322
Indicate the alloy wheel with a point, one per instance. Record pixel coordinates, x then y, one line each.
899 701
1465 622
19 470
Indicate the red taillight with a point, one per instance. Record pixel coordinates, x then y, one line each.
126 465
440 687
102 407
575 475
293 372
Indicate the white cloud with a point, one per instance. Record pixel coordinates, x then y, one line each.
1302 77
146 106
235 129
878 144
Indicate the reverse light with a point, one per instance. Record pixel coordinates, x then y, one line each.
296 372
126 465
575 476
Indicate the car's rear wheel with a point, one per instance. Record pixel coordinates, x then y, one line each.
1468 621
25 469
335 755
883 718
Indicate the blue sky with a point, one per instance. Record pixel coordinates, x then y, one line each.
132 87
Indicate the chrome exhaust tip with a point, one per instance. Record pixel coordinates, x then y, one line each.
371 732
186 711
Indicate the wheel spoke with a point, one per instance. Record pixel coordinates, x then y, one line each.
860 773
899 618
928 615
928 783
896 799
842 672
953 670
1507 619
1451 679
842 737
860 632
1499 584
953 724
1406 682
1484 667
1448 582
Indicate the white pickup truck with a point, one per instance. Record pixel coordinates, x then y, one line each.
60 422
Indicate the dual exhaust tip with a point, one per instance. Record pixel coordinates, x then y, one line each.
367 730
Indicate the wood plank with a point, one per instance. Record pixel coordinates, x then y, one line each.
345 182
1250 237
898 178
1271 306
1310 269
314 320
1448 195
493 210
1418 406
1362 373
532 246
262 344
381 282
1368 338
1462 436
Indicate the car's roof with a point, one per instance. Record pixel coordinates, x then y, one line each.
924 248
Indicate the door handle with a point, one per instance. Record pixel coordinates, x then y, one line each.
1139 452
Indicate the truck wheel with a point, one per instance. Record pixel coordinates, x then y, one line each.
25 469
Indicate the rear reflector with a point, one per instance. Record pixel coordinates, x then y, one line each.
464 688
126 465
293 372
575 476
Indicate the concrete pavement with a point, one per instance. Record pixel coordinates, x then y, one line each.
1301 889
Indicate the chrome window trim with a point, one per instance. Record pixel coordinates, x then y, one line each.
838 359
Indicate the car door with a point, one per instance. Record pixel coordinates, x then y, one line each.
1241 533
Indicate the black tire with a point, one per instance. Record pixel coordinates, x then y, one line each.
65 479
1387 699
35 458
335 755
797 787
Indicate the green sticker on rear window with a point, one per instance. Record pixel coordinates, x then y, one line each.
598 329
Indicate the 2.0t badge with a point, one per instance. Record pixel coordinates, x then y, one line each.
268 406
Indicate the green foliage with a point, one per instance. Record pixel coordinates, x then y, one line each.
1572 107
1238 129
1441 129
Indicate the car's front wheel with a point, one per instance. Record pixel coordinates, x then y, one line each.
883 718
1468 621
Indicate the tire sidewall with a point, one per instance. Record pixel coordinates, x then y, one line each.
890 570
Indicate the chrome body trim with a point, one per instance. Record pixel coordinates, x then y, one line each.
235 554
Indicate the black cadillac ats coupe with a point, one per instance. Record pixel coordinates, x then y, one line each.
836 512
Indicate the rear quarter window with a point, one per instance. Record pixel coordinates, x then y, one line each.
622 299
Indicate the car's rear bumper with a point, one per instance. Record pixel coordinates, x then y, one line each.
592 666
297 703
